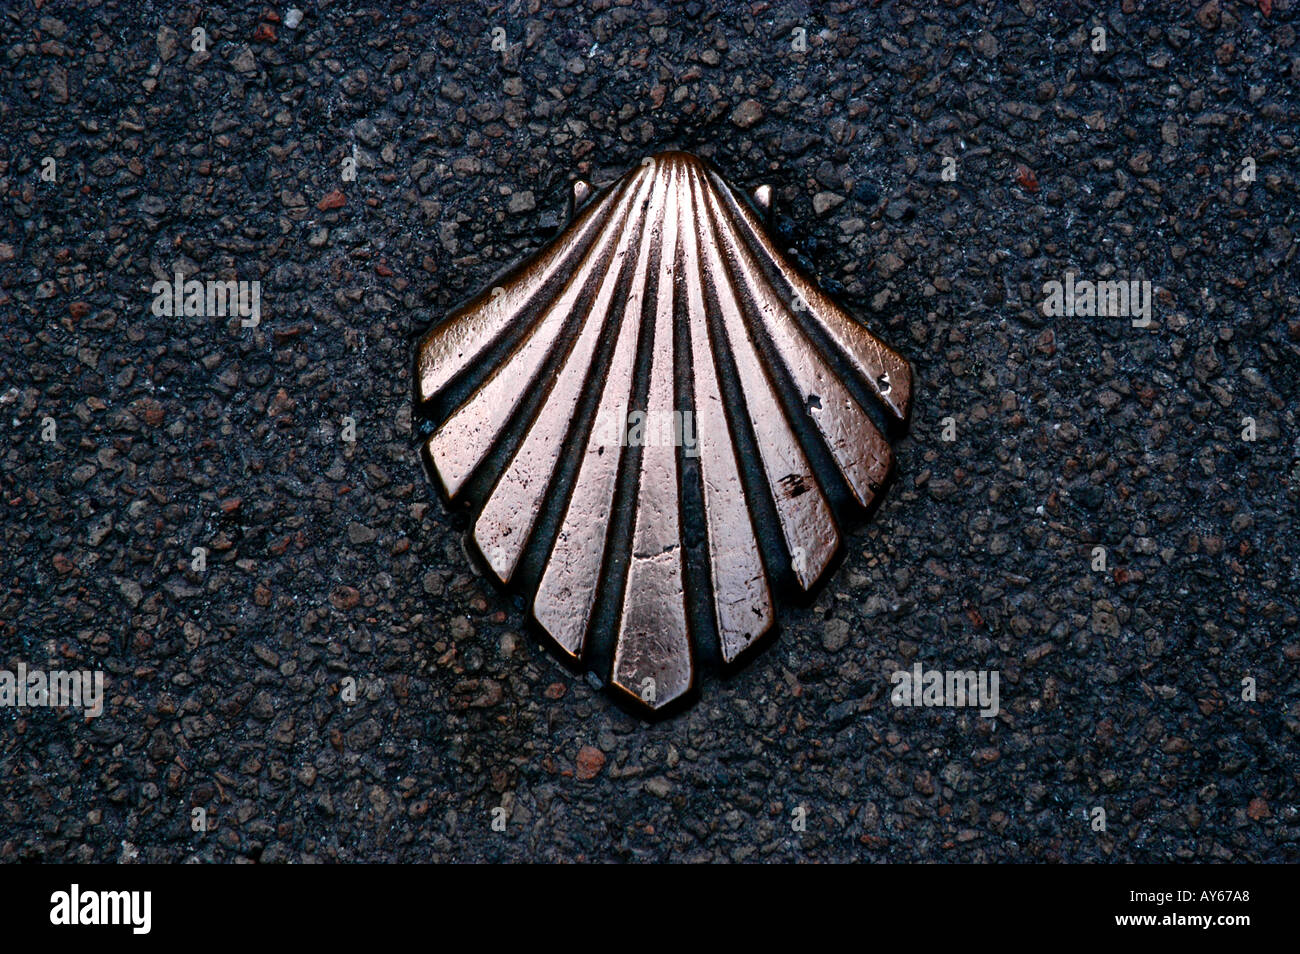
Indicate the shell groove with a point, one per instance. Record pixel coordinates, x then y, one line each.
653 420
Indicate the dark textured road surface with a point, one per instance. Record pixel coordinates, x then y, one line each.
1153 679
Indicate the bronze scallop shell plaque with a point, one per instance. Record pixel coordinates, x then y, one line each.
654 421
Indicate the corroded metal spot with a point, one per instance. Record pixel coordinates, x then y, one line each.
653 420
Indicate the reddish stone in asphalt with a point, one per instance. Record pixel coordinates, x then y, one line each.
1026 179
490 693
153 412
747 113
265 33
345 597
590 761
332 200
1258 809
281 403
